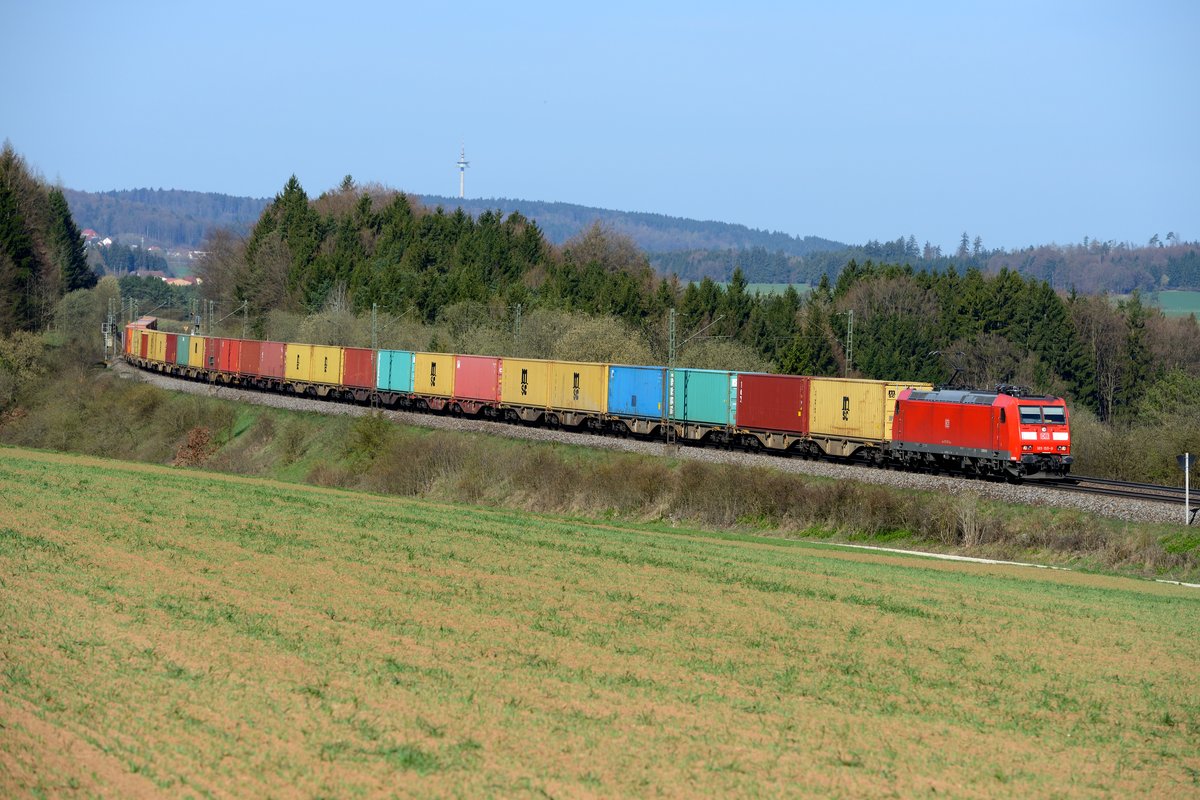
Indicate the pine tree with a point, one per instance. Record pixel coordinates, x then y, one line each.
18 266
70 253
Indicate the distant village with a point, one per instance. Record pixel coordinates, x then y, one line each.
93 239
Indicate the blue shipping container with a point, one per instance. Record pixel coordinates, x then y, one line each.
636 391
394 371
704 395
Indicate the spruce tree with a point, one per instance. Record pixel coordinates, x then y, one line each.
18 266
69 252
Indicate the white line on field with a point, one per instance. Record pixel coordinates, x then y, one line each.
948 557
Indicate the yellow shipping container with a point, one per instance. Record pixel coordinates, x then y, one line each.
433 373
525 382
847 408
578 386
157 351
196 351
313 363
853 408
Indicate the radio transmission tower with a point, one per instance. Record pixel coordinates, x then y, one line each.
462 172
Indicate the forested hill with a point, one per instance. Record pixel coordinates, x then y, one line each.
691 249
174 218
169 218
653 233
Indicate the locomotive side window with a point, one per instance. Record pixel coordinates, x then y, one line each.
1055 415
1031 415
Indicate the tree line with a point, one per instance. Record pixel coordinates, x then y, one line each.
357 250
42 254
168 217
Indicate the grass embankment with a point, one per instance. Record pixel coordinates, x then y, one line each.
175 631
96 413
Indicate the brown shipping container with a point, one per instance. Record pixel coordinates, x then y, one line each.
270 364
358 367
212 350
172 345
477 378
773 403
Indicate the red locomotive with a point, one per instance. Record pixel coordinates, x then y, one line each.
1003 433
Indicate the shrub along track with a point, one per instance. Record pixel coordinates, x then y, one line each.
1029 493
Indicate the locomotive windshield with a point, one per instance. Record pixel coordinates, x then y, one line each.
1043 415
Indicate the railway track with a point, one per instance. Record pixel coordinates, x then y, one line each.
1125 489
1134 508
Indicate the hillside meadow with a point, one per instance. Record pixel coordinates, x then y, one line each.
172 631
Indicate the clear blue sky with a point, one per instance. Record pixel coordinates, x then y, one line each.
1021 122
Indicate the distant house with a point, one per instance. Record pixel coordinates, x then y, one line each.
180 281
90 235
106 241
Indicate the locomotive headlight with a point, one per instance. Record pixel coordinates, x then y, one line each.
1026 447
1062 447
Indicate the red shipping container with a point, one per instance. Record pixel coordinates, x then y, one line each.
270 363
145 344
212 346
773 402
358 367
251 355
230 355
172 347
477 378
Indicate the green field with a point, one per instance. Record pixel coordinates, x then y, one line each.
771 288
174 632
1177 303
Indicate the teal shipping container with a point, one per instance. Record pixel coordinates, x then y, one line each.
182 348
704 395
394 371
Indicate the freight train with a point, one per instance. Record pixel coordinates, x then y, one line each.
909 425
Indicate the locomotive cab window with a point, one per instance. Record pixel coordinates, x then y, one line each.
1031 415
1003 417
1055 415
